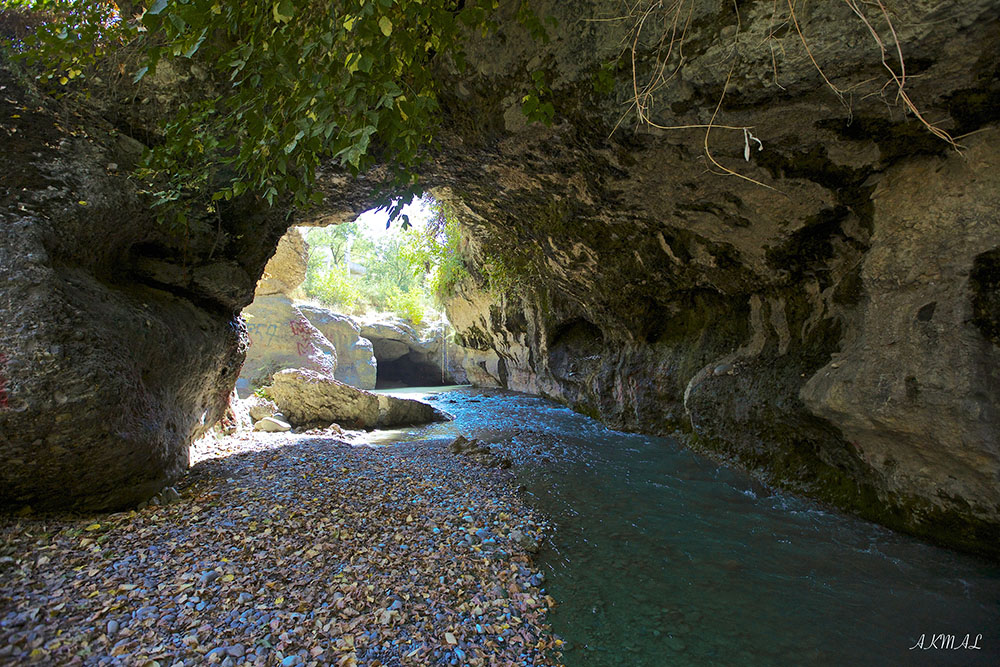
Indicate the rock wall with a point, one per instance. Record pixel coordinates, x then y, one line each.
409 357
356 364
280 336
119 340
829 325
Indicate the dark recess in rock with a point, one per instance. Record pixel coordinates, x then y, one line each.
984 279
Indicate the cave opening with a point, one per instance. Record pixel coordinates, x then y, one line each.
362 300
409 371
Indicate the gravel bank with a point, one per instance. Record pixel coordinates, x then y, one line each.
287 550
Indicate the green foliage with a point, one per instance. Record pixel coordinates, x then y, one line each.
64 39
290 84
537 105
409 273
336 288
409 305
436 250
285 85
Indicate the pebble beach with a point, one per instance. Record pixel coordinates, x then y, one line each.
287 549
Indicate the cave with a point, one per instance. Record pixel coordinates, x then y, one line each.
722 230
766 294
409 370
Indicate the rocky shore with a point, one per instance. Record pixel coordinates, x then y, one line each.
287 549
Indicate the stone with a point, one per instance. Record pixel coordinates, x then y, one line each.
287 267
170 495
259 407
915 390
356 364
523 540
272 425
112 377
281 337
311 399
608 270
410 357
208 577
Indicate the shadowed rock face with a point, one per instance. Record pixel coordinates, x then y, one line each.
833 330
830 328
119 341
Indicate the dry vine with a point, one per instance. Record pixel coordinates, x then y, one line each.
661 27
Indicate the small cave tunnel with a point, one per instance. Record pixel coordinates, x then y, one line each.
410 370
399 365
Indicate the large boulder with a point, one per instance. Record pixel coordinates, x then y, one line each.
311 399
281 337
287 267
356 364
119 338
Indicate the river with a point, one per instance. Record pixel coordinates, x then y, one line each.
662 557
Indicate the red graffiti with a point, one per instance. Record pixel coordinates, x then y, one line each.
4 400
299 327
302 330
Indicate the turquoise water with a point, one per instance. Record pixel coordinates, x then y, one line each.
661 557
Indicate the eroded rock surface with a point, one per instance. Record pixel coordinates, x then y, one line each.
830 325
414 358
280 337
311 399
120 339
356 363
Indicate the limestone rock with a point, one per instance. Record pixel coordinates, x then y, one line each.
281 337
118 341
391 338
408 357
259 407
272 425
311 399
287 268
356 364
916 387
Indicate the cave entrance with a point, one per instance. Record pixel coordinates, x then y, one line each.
408 371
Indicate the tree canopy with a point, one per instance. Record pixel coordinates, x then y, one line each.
289 84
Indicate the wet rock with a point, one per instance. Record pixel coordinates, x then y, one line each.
523 540
479 452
